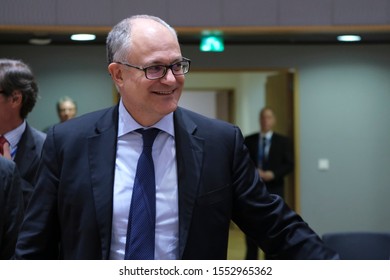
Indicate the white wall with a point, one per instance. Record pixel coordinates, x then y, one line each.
248 87
201 101
345 117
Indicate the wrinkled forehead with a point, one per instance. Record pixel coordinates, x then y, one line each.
152 41
149 31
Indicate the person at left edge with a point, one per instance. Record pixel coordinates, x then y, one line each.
11 207
18 95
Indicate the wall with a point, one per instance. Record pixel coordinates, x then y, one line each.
343 109
249 92
78 72
201 101
184 13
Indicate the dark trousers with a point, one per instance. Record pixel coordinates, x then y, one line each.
252 250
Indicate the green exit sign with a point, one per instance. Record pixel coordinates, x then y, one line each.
212 43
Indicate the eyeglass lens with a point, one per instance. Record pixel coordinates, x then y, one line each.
158 71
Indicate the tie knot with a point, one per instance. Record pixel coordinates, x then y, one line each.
3 140
148 136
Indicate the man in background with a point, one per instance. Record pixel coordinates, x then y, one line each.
18 140
66 108
273 155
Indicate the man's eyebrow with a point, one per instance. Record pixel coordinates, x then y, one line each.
159 62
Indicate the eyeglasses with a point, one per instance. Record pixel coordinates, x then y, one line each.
155 72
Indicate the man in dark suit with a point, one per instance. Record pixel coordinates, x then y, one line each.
271 152
21 142
273 155
203 174
11 207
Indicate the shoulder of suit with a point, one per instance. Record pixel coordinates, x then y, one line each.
93 116
88 118
85 124
252 136
36 133
278 135
34 136
280 138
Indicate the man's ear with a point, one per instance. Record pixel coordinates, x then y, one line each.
16 97
116 73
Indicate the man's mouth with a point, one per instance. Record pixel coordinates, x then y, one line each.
163 92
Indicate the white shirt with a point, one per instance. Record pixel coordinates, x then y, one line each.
129 148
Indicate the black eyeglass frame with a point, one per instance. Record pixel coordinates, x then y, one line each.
145 69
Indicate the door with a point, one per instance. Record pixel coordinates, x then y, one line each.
280 97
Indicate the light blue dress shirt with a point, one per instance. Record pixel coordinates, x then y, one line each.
129 148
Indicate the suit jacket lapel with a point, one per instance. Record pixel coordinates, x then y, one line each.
101 155
189 154
25 155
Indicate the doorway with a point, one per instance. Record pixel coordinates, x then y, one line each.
241 95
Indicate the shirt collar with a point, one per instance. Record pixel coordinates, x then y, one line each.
127 124
13 136
267 135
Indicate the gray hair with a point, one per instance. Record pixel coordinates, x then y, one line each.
118 43
64 99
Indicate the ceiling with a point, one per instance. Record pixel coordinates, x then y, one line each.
307 38
193 38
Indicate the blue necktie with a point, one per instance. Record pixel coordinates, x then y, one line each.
262 153
142 214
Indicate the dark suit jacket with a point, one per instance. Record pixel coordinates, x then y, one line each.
280 159
11 207
72 201
27 158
